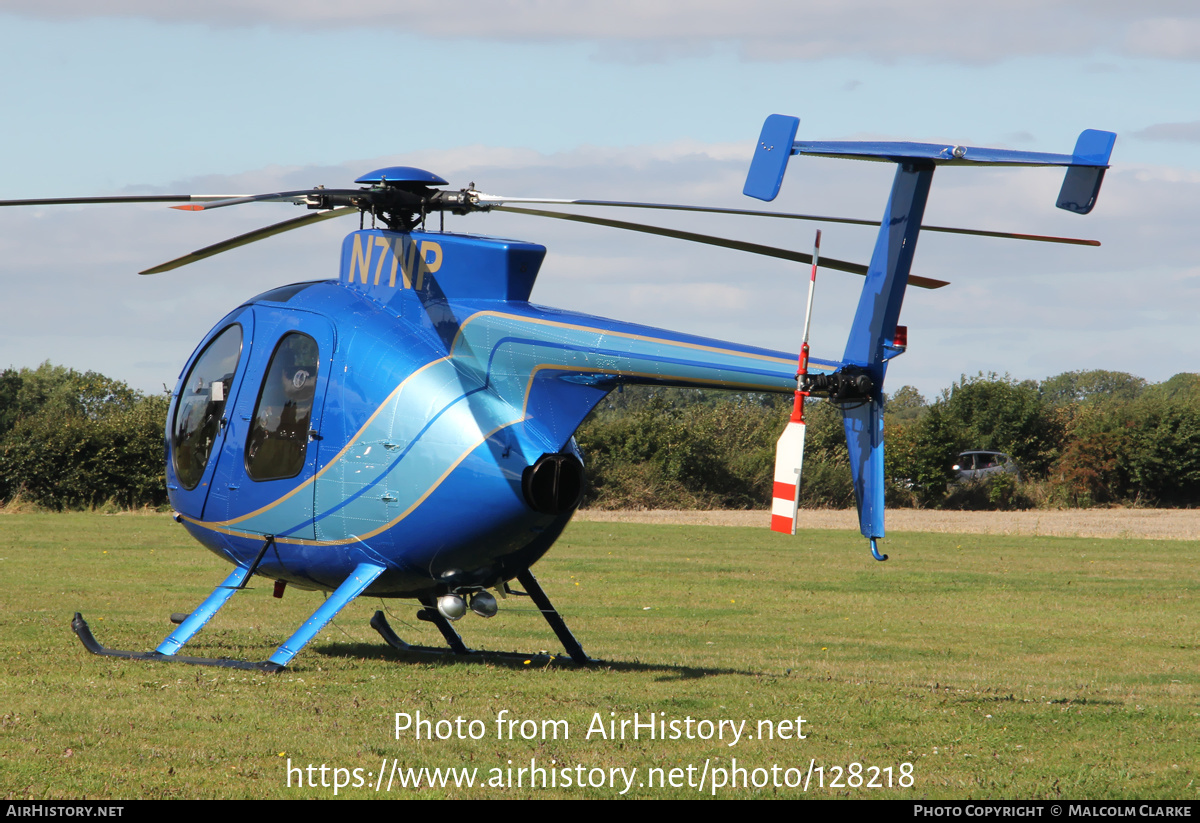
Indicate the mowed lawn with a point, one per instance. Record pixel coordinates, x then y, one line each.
966 666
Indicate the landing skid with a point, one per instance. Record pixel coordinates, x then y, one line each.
80 626
353 586
430 653
533 590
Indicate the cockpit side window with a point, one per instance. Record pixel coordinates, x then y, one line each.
278 439
201 405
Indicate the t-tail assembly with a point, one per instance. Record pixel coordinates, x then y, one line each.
857 383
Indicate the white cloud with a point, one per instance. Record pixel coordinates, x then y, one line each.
1173 37
1175 132
71 294
645 30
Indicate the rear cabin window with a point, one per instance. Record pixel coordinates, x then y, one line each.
278 438
202 405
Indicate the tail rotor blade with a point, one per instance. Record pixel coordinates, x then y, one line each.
785 495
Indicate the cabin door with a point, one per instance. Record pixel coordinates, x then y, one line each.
199 422
263 479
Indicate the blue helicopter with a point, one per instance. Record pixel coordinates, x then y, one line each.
406 430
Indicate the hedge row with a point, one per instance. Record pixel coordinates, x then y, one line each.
71 440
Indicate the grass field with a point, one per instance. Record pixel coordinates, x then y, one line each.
997 666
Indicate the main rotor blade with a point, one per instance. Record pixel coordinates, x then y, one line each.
486 199
250 237
121 198
739 245
298 197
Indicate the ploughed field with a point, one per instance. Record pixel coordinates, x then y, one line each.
1155 524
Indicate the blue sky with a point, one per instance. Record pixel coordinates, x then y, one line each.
628 100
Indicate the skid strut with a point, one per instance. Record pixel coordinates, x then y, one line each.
553 617
430 614
354 585
533 590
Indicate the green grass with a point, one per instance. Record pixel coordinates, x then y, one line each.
1000 667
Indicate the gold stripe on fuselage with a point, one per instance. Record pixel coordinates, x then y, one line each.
221 526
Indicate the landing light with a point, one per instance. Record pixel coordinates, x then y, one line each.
452 606
483 604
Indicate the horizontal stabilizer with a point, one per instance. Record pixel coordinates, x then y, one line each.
1092 149
942 154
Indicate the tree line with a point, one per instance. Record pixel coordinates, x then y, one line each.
72 440
76 441
1083 438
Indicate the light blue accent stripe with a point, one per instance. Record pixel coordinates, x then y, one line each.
445 409
374 482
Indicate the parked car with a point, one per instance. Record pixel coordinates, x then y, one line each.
980 465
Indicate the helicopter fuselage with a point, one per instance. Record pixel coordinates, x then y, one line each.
417 413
